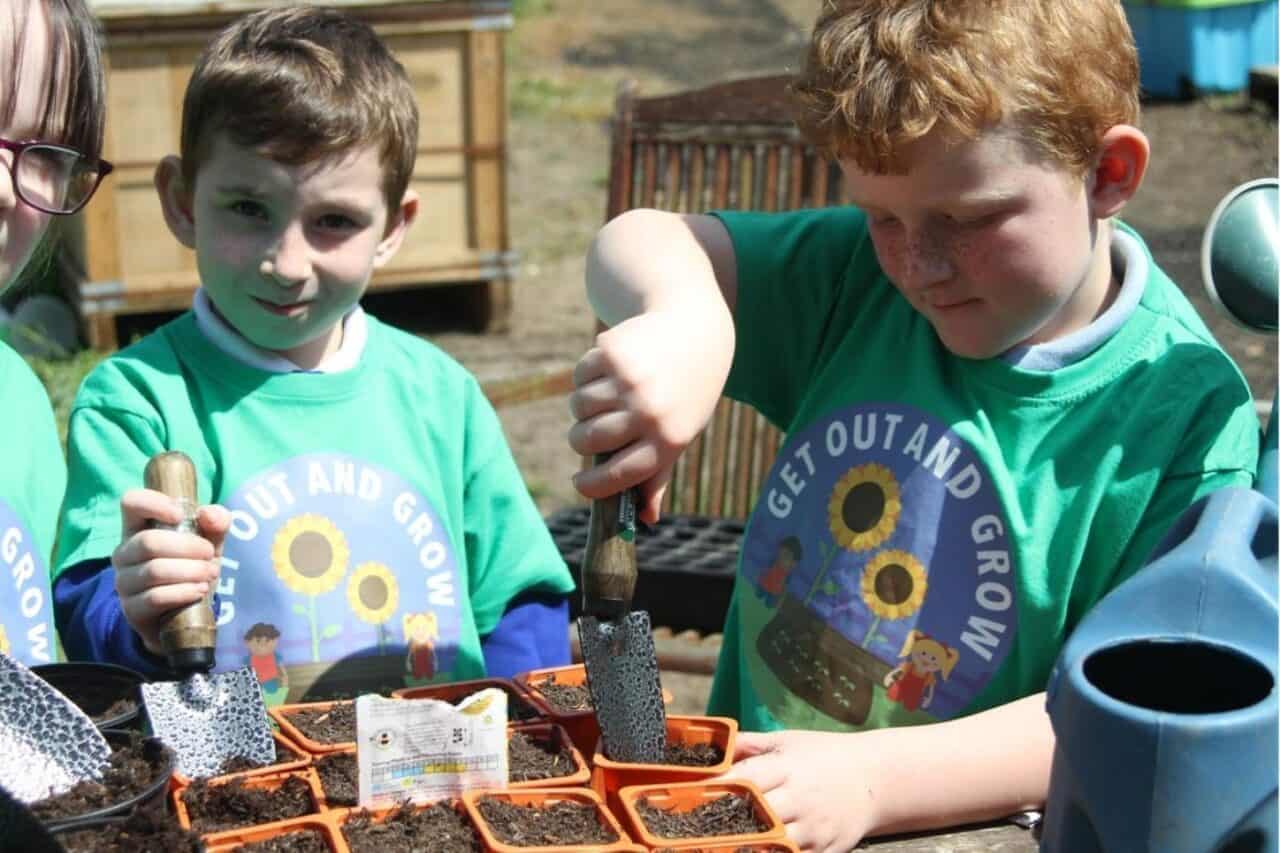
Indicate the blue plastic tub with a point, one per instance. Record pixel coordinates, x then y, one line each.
1191 47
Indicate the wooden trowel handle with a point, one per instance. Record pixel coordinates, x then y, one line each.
187 635
609 565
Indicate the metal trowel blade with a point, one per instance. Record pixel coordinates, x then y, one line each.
622 675
207 719
47 744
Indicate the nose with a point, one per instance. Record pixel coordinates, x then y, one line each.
927 261
289 263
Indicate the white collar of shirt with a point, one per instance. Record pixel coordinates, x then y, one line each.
355 334
1130 261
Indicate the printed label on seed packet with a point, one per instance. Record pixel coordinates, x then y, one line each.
425 749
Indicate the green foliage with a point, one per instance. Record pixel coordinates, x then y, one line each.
529 8
62 378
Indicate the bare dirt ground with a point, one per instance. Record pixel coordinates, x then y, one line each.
566 58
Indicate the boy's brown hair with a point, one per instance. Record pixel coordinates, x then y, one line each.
300 84
881 74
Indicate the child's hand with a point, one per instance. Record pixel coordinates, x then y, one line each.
643 393
161 570
818 783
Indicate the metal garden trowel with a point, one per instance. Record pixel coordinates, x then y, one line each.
205 719
47 744
617 642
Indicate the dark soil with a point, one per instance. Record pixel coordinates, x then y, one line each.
518 709
694 755
531 758
340 778
437 828
302 841
101 702
565 697
132 769
563 823
337 724
119 708
239 763
147 830
231 805
728 815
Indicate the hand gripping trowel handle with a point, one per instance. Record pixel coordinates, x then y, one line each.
609 565
187 634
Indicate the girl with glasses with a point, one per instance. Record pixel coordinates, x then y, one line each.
51 117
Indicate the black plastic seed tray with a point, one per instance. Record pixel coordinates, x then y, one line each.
686 563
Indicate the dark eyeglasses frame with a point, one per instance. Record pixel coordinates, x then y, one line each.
104 168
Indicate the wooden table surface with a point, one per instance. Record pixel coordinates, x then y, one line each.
995 838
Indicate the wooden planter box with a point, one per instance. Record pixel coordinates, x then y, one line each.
121 252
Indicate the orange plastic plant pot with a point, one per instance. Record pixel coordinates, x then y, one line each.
303 759
581 725
340 817
455 691
315 768
555 733
228 841
269 782
687 796
608 776
281 713
544 797
777 845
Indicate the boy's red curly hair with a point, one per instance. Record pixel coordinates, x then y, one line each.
881 74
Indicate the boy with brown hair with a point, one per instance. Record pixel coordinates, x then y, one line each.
995 402
360 476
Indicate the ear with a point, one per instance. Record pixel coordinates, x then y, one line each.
1118 170
397 225
175 200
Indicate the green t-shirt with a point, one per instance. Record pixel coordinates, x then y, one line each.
935 526
379 524
33 475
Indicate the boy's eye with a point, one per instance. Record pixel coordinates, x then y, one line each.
336 222
247 207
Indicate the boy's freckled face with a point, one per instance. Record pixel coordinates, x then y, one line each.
285 251
993 248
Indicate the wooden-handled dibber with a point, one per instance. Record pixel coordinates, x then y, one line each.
617 642
187 634
609 565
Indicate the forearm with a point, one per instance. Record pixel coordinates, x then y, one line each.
971 769
91 622
649 260
532 634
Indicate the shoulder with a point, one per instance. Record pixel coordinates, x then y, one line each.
18 381
836 227
136 376
21 390
416 360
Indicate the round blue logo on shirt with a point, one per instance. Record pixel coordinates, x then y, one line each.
26 612
878 574
332 559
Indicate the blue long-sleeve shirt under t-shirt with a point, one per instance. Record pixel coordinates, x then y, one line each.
531 634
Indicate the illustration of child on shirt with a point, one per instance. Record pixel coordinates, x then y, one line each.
773 581
262 640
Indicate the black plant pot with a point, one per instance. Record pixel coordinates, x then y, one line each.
158 755
95 688
687 565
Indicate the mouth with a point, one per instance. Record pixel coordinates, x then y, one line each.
952 306
288 309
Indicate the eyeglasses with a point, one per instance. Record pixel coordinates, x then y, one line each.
53 178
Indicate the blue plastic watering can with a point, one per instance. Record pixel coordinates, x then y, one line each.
1163 701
